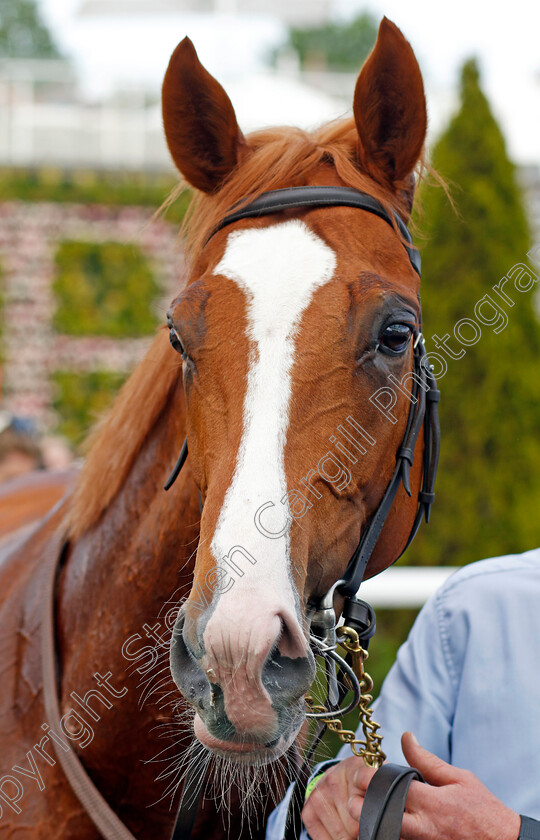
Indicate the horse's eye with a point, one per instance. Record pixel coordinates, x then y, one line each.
174 338
395 338
175 342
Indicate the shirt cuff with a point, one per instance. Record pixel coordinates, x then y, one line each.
318 771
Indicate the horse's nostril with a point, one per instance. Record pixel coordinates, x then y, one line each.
286 678
289 668
290 642
186 670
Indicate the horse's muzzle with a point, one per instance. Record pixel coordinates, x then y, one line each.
236 719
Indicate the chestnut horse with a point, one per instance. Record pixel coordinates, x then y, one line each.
287 325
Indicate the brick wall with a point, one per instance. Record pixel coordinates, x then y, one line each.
32 351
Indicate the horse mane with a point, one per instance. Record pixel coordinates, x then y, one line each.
279 157
115 442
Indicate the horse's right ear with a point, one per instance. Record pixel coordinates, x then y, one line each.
200 124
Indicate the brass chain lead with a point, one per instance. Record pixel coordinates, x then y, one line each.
369 748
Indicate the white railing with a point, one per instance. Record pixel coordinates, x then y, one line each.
43 122
404 586
77 136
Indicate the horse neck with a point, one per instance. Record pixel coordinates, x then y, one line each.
118 593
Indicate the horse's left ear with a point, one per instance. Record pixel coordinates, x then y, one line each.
390 111
202 133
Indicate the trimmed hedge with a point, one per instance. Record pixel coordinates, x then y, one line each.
81 398
105 289
88 187
2 323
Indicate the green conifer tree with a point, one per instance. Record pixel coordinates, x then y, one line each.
488 488
22 32
488 485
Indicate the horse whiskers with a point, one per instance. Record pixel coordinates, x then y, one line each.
170 704
180 715
160 654
158 667
167 730
195 550
173 602
184 740
225 779
180 767
152 677
154 687
182 756
162 705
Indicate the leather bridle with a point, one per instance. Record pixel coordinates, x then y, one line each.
385 799
424 395
387 793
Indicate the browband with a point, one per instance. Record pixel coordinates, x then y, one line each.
276 201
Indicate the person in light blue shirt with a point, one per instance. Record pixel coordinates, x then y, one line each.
467 684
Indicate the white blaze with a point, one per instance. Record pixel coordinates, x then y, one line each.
278 268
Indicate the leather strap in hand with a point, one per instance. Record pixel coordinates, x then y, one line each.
384 802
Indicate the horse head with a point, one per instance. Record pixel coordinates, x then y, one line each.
296 329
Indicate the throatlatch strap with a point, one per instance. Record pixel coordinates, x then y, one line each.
177 467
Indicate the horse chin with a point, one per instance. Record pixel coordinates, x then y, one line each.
243 752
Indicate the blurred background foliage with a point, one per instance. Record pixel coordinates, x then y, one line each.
104 288
489 478
1 312
80 399
336 46
93 187
22 32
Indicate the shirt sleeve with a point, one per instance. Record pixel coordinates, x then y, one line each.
419 692
275 827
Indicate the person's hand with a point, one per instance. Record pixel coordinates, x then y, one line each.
453 805
326 813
